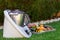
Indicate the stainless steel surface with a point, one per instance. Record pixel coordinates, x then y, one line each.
17 17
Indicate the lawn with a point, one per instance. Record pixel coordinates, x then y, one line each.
55 35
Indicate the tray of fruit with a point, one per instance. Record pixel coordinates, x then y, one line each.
37 29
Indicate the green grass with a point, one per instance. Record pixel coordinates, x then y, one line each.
55 35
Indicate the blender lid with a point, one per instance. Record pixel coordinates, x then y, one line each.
16 12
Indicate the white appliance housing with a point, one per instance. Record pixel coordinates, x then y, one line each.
12 30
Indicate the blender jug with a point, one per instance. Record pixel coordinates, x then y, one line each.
19 17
